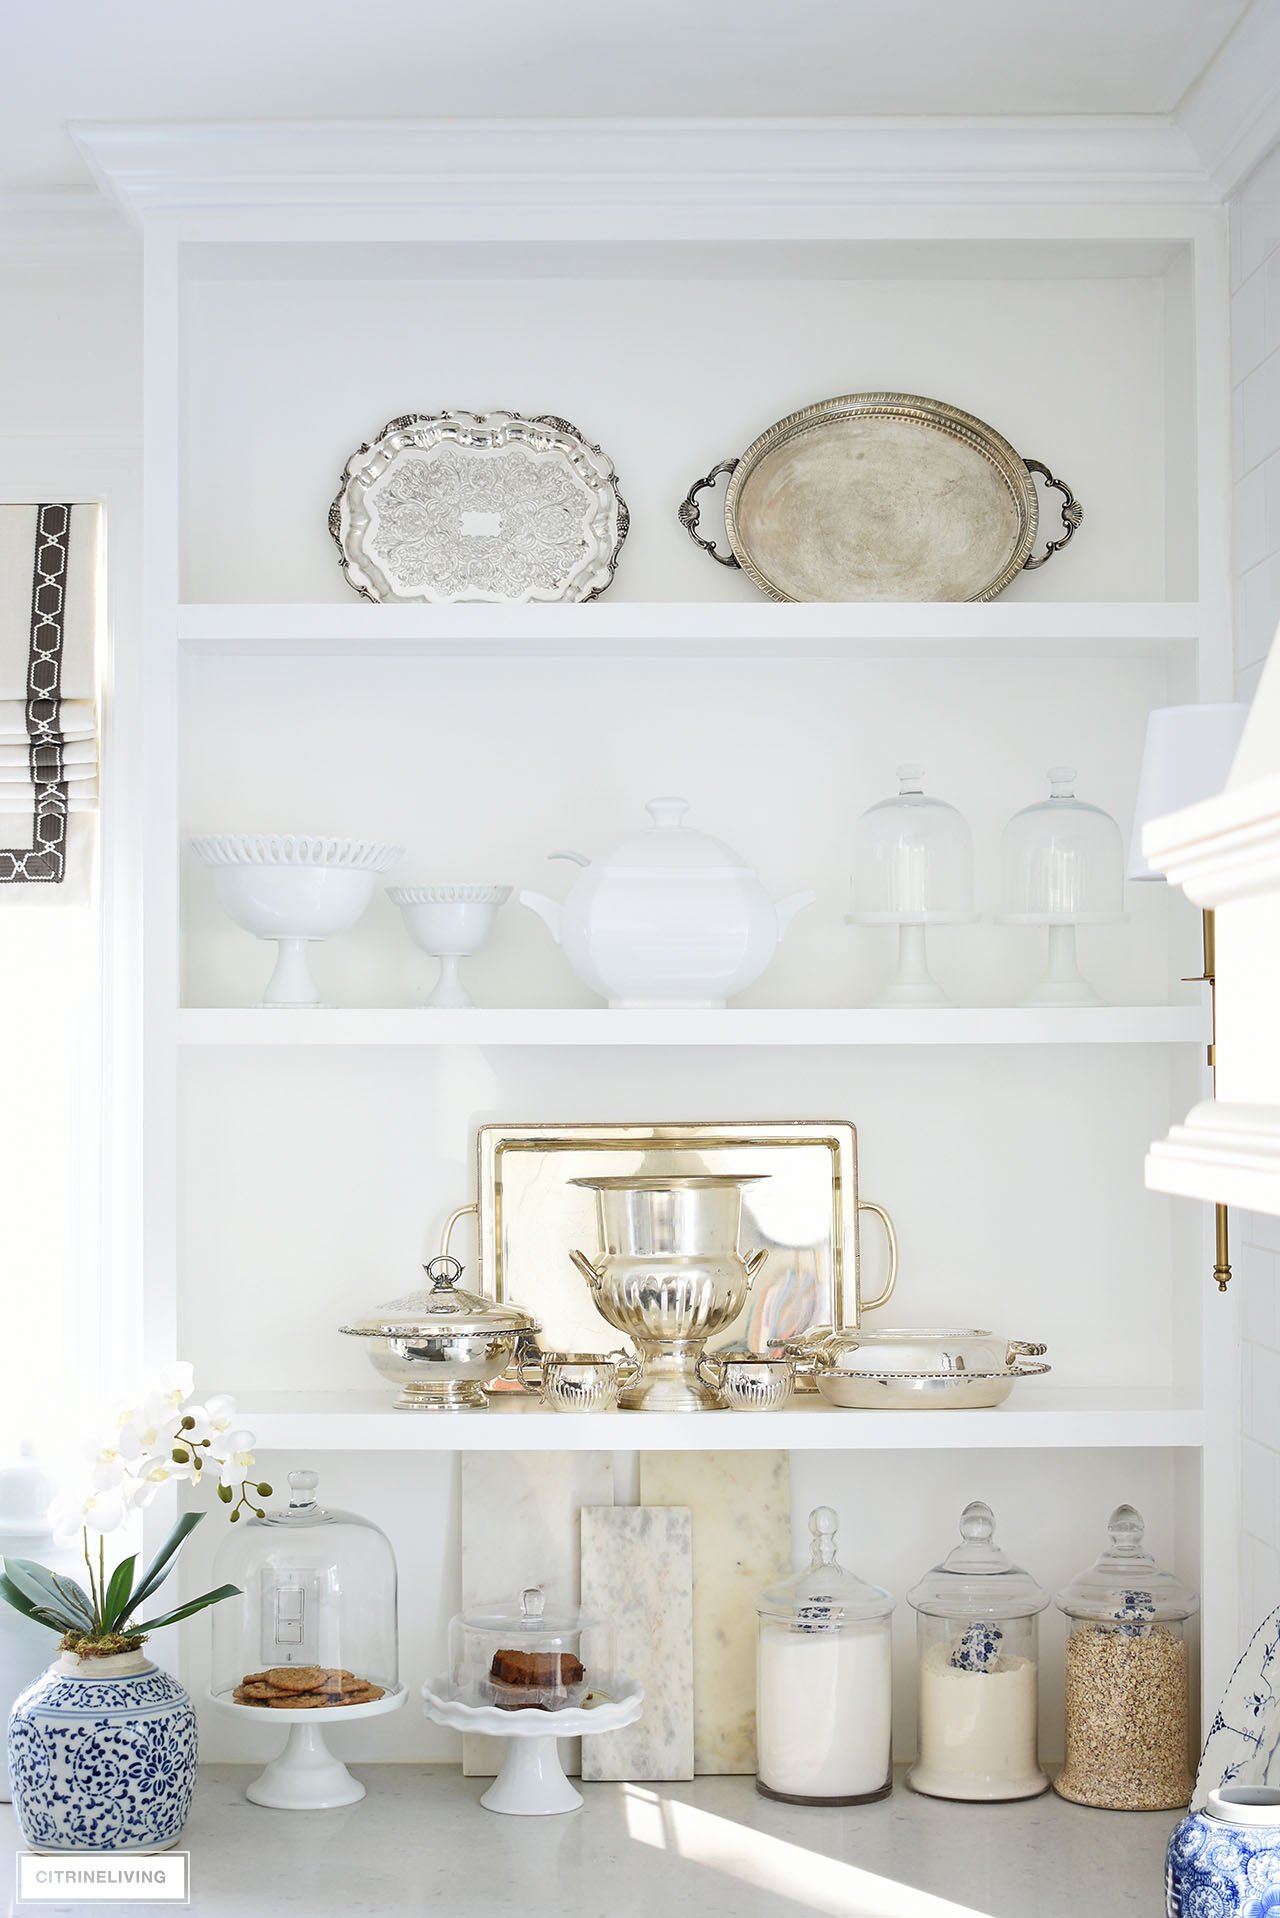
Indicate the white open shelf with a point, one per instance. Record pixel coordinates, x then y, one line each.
760 1026
1038 1417
612 628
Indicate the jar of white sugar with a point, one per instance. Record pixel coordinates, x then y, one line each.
1128 1689
977 1635
823 1682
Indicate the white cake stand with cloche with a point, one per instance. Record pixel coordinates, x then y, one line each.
1063 867
912 868
310 1642
531 1677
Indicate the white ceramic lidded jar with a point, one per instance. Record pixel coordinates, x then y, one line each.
668 917
824 1688
977 1634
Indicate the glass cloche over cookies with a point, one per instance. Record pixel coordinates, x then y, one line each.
314 1625
529 1654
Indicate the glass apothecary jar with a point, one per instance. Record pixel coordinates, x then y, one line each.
527 1655
824 1682
977 1636
315 1622
1127 1678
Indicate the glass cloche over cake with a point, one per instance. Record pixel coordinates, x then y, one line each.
528 1654
315 1622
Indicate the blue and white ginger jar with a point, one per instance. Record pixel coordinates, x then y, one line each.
1224 1861
102 1753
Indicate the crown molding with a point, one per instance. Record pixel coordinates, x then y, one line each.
175 169
1232 113
1223 849
39 225
1223 1154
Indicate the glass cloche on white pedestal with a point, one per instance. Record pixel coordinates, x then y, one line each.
311 1639
912 868
1063 867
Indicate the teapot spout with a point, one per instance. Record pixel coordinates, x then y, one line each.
548 910
787 908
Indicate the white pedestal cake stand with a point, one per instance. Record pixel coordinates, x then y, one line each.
306 1776
531 1783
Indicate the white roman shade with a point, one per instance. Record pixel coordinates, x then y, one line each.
48 716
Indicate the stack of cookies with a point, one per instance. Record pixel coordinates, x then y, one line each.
304 1688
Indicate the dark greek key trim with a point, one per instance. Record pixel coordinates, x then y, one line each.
44 861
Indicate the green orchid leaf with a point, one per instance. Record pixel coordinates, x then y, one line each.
20 1603
162 1564
60 1596
119 1597
186 1611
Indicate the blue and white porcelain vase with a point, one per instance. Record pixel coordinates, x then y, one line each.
102 1753
1224 1861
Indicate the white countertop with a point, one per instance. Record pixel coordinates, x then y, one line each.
420 1842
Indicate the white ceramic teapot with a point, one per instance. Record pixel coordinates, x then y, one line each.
668 917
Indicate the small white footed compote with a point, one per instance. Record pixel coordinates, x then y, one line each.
531 1783
451 923
294 888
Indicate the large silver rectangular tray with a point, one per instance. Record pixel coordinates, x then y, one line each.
806 1213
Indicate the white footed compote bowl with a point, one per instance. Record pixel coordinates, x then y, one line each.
293 889
531 1783
450 923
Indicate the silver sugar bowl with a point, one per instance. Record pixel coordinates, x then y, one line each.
669 1276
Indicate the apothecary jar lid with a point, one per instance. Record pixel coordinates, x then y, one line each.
977 1579
823 1597
1124 1585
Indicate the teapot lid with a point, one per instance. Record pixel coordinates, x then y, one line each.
668 843
441 1307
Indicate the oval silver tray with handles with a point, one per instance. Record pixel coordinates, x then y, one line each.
881 496
915 1368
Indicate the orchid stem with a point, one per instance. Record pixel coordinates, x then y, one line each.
93 1590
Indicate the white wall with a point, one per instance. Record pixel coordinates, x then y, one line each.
1255 373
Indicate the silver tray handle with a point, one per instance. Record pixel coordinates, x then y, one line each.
689 512
1072 514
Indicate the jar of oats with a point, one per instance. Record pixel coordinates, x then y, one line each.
1128 1690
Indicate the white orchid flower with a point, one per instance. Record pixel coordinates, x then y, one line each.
234 1454
98 1511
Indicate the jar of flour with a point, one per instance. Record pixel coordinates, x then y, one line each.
976 1631
823 1682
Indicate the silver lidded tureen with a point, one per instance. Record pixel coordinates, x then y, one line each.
669 1275
442 1345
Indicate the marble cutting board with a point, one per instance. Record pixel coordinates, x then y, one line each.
520 1527
637 1567
741 1506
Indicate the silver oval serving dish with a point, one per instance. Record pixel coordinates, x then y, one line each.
881 496
902 1368
446 507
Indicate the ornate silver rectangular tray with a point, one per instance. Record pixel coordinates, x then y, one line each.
806 1213
881 496
445 507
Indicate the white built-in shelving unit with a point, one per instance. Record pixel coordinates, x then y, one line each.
672 297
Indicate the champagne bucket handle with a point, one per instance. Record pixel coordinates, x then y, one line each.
891 1241
593 1278
753 1262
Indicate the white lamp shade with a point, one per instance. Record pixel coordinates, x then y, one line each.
1186 758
